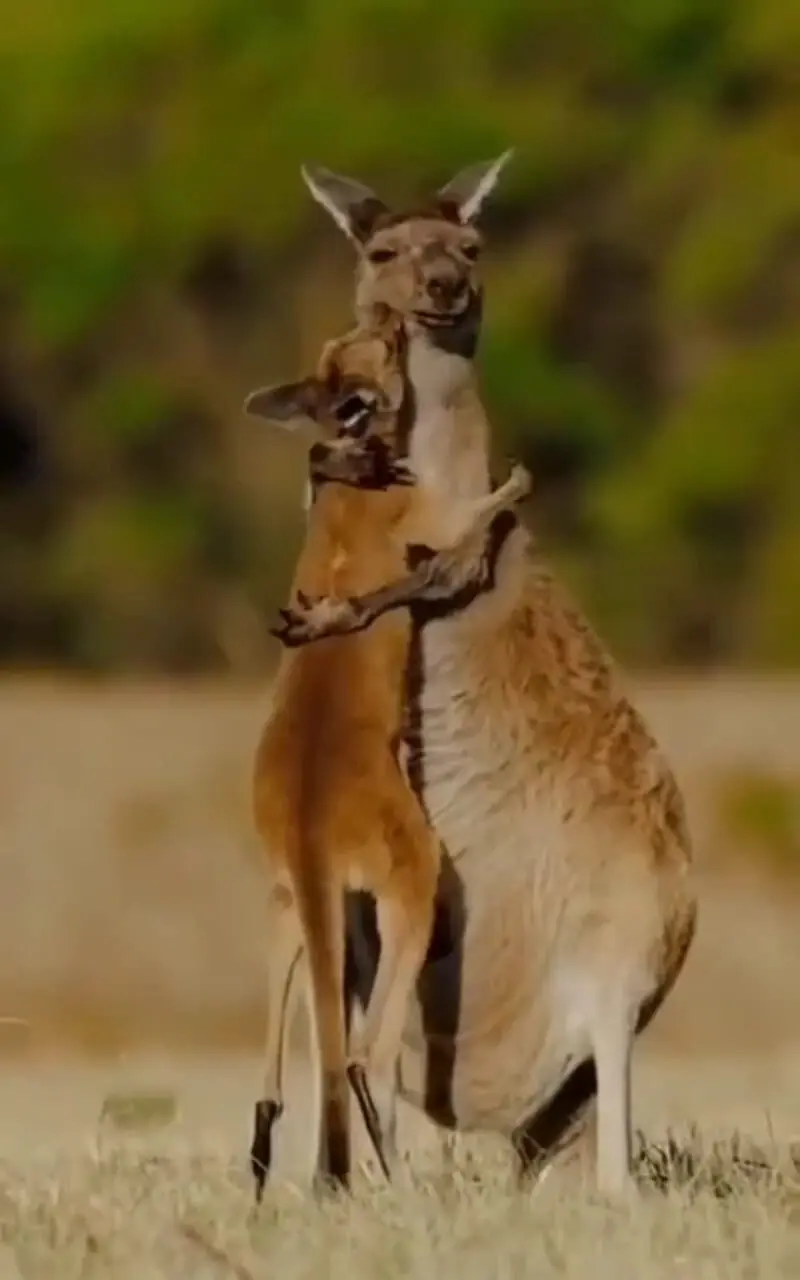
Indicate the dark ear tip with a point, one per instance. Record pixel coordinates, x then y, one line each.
448 208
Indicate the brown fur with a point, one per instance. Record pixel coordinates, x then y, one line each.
562 820
558 811
616 901
332 805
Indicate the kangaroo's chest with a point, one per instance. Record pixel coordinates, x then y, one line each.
471 747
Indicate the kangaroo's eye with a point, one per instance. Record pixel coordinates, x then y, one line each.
471 252
382 255
354 411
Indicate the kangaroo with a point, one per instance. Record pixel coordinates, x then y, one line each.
332 807
562 821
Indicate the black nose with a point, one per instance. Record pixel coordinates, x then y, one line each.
447 289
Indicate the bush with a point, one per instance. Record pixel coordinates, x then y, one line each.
159 256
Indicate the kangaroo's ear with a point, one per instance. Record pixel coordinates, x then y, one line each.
470 187
353 206
286 403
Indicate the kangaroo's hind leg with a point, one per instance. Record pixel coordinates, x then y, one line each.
612 1037
405 910
285 952
565 1123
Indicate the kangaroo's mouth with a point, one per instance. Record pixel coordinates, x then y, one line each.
440 319
456 332
448 319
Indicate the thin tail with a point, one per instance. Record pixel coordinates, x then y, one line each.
320 902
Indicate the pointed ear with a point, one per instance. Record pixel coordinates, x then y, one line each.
468 190
285 403
353 206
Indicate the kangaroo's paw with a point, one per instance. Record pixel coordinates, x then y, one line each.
314 619
520 482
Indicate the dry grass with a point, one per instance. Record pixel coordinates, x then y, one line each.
189 1215
130 913
98 1201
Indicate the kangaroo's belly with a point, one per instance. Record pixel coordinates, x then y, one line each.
489 1037
480 771
501 1021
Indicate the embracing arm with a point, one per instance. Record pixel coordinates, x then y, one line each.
438 575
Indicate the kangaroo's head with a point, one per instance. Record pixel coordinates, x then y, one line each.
422 264
357 396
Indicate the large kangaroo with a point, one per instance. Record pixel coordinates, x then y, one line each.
569 892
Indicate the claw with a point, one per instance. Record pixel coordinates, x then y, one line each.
288 627
401 473
290 638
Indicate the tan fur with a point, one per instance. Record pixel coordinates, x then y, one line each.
526 727
332 806
561 816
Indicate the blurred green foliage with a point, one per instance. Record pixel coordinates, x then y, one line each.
159 256
759 813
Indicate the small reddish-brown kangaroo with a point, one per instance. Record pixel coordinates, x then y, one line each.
333 807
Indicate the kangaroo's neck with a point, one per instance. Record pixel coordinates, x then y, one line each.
449 445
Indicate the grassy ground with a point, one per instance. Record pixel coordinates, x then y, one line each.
82 1197
130 911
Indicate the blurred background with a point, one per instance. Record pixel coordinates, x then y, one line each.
160 257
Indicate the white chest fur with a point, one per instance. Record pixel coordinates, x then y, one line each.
449 441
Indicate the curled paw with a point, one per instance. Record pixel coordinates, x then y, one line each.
400 472
520 481
313 619
292 630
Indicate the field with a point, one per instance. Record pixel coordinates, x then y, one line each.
80 1198
131 975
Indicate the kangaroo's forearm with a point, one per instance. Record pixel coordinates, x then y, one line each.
366 609
450 567
437 575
